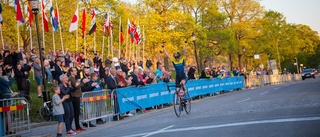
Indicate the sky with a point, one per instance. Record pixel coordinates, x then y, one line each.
305 12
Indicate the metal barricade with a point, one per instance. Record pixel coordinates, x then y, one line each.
96 105
14 114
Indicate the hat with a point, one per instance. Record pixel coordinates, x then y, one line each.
206 68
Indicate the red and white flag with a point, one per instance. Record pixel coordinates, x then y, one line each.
44 16
74 21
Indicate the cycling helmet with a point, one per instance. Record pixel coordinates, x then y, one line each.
177 55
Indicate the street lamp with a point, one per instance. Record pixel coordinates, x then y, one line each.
279 53
195 50
35 10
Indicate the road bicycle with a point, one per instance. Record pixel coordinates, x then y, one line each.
45 111
181 100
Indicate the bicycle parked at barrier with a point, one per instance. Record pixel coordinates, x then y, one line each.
181 100
45 111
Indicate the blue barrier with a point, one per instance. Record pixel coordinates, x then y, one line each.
132 98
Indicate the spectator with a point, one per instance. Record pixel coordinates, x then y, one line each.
58 72
149 63
158 73
235 71
124 67
67 60
38 75
192 72
47 67
100 104
149 76
76 96
33 55
58 110
5 93
22 56
87 87
121 81
62 55
136 81
66 89
8 65
14 57
112 85
205 74
108 62
21 79
25 68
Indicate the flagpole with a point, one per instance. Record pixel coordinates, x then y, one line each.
30 37
111 44
119 37
1 36
127 56
102 47
18 34
54 44
108 46
44 44
77 32
94 39
61 40
85 46
143 44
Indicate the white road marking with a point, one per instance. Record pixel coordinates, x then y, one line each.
276 88
229 125
264 93
159 131
243 100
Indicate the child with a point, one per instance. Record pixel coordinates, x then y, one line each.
58 110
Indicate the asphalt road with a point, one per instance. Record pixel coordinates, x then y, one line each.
284 110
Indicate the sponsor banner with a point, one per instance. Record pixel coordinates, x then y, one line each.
131 98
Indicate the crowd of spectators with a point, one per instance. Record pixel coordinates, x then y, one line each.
75 73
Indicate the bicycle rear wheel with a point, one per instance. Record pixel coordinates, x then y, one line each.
187 103
45 114
177 104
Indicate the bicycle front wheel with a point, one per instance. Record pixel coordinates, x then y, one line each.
187 103
177 104
45 114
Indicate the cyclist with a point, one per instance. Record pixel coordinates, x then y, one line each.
179 64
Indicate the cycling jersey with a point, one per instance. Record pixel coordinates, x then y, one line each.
179 65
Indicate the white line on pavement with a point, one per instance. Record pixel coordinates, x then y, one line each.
244 100
230 125
276 88
159 131
264 93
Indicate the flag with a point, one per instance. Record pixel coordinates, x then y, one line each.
84 21
121 34
93 23
106 24
54 19
132 31
45 19
1 19
74 21
137 35
19 16
30 14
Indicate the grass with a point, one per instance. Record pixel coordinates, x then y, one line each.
35 102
